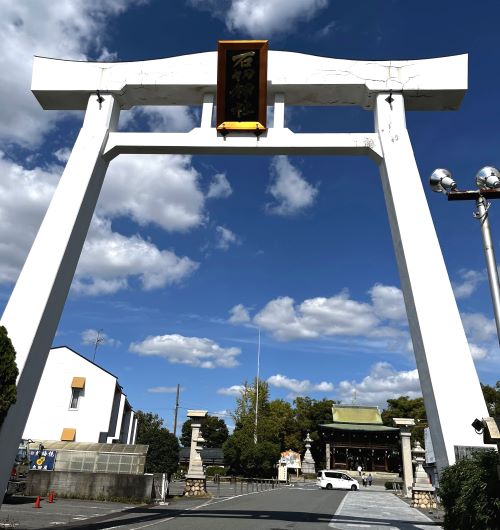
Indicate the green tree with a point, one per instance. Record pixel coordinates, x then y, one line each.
8 374
469 493
163 452
213 429
404 407
492 398
309 415
241 453
282 426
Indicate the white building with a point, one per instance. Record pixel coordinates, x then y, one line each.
78 401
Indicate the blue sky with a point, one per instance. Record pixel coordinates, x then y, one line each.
187 256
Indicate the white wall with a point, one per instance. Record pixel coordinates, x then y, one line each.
50 412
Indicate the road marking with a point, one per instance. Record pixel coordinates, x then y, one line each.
189 510
143 526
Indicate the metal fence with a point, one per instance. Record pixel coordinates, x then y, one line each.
229 486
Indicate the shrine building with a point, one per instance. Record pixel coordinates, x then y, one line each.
357 437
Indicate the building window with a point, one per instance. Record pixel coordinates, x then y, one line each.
77 386
75 398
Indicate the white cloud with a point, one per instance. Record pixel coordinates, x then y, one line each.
262 18
478 327
193 351
337 315
470 280
153 189
64 29
168 118
382 322
89 336
219 187
292 193
239 314
234 390
109 259
69 29
326 30
388 302
296 387
478 352
225 238
382 383
163 390
24 197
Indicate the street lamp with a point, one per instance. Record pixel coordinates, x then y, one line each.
488 182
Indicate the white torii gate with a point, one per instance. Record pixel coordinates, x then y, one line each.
448 378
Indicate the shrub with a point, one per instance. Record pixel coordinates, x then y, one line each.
391 485
211 471
469 493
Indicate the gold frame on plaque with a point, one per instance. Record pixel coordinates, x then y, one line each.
242 87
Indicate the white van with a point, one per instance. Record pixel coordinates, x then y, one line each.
335 479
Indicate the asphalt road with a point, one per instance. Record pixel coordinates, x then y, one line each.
299 507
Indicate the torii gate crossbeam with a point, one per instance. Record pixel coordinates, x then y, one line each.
448 378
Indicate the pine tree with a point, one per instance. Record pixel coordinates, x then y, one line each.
8 374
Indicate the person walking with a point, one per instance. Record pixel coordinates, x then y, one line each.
364 480
369 479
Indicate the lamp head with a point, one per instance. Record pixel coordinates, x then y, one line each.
488 177
441 181
478 426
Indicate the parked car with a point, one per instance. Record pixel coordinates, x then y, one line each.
332 479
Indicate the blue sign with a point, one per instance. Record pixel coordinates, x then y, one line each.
43 460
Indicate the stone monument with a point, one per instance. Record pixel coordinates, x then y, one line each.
196 482
308 464
423 491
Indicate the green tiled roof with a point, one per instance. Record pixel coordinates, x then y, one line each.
354 414
358 427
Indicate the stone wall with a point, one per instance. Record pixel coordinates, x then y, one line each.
423 499
195 487
83 485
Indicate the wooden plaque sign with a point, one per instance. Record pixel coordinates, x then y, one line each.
242 85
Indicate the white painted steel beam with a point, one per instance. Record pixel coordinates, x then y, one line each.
203 141
437 84
207 110
448 378
33 311
279 111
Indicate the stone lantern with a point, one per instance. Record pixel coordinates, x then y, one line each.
423 490
196 482
308 464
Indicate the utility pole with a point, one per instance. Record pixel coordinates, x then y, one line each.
176 409
257 392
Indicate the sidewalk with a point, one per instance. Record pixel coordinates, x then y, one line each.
378 509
